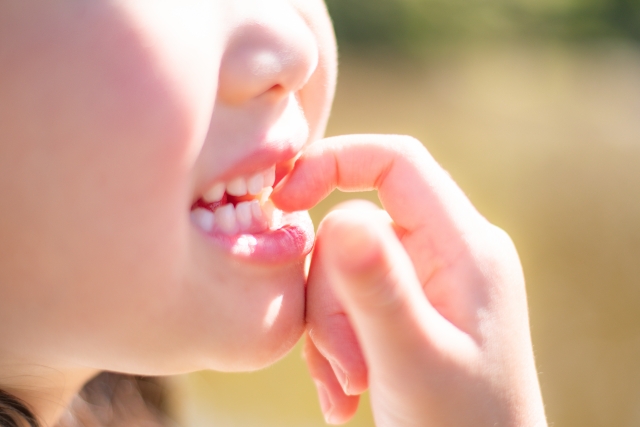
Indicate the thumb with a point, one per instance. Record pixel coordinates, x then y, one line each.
375 281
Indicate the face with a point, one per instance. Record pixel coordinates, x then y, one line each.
139 140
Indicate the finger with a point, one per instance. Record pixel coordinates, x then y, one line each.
377 286
411 185
337 407
328 326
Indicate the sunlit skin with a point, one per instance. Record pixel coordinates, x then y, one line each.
423 303
115 118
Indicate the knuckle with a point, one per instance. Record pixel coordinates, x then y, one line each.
411 149
498 253
501 240
409 145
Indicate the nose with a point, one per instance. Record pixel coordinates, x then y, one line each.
271 54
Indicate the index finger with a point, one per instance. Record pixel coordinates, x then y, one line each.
416 192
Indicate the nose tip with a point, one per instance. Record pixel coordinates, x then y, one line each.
275 55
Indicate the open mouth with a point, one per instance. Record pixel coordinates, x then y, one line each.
240 206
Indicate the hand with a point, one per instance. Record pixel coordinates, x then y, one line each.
427 308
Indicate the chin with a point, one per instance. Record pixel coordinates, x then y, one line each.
259 350
266 353
264 321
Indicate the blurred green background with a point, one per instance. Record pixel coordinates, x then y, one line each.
411 25
534 108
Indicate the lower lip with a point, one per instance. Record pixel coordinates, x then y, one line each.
289 243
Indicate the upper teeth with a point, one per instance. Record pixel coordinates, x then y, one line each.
242 185
252 216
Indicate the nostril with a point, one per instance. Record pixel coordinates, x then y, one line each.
277 90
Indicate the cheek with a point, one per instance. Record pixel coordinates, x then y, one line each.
98 140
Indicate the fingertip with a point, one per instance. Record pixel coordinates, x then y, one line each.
330 328
282 195
336 406
336 409
302 188
352 377
336 341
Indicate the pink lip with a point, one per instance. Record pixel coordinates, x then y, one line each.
280 151
294 239
290 243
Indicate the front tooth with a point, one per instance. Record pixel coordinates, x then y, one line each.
270 176
203 218
237 187
243 215
255 184
215 193
256 210
258 215
225 219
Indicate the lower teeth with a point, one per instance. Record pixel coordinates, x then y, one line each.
246 217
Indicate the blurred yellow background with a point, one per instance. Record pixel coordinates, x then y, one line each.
541 127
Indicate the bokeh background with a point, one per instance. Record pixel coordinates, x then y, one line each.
534 108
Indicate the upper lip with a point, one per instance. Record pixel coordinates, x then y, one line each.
276 142
282 154
261 159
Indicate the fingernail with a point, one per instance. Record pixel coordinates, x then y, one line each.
341 375
325 402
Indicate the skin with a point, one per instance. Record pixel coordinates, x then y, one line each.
425 303
115 116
